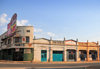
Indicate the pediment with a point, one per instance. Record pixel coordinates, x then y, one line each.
70 42
41 40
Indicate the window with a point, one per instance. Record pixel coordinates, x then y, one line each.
27 39
18 39
9 41
28 30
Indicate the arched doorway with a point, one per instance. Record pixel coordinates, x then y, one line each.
83 55
71 55
93 54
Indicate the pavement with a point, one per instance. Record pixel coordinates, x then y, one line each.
69 62
49 65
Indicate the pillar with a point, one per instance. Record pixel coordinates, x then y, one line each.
87 55
77 51
51 54
77 55
51 51
87 51
65 54
98 51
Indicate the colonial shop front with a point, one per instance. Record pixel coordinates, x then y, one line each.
71 48
88 51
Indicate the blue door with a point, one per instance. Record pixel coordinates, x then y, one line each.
43 55
57 55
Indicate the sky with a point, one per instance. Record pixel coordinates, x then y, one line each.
72 19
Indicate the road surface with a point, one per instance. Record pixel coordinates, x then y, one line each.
50 66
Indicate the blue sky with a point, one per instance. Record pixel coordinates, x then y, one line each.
55 18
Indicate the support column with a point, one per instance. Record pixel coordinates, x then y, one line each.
77 55
51 51
87 55
77 51
87 51
98 51
51 54
64 54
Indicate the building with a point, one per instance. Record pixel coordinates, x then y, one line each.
19 44
66 50
22 46
17 47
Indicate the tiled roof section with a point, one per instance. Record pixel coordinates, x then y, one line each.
85 43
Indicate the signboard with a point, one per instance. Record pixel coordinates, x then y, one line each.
17 49
70 42
11 27
27 50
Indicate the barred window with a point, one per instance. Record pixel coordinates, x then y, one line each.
28 30
27 39
18 39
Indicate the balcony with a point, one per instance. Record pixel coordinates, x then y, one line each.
24 44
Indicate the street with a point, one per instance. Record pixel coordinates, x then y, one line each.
49 66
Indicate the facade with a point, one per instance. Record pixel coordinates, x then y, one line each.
17 47
66 50
22 46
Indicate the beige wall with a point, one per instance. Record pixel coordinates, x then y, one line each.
22 31
37 52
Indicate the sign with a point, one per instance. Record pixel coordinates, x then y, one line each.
11 27
23 38
30 44
17 49
70 42
27 50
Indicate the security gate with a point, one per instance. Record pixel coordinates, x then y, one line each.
57 55
71 55
93 54
43 55
83 55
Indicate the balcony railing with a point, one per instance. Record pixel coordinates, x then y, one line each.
23 44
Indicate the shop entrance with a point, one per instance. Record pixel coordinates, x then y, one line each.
43 55
57 55
71 55
93 54
18 54
83 55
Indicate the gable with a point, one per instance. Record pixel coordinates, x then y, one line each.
41 41
70 42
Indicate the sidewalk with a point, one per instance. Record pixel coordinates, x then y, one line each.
29 62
